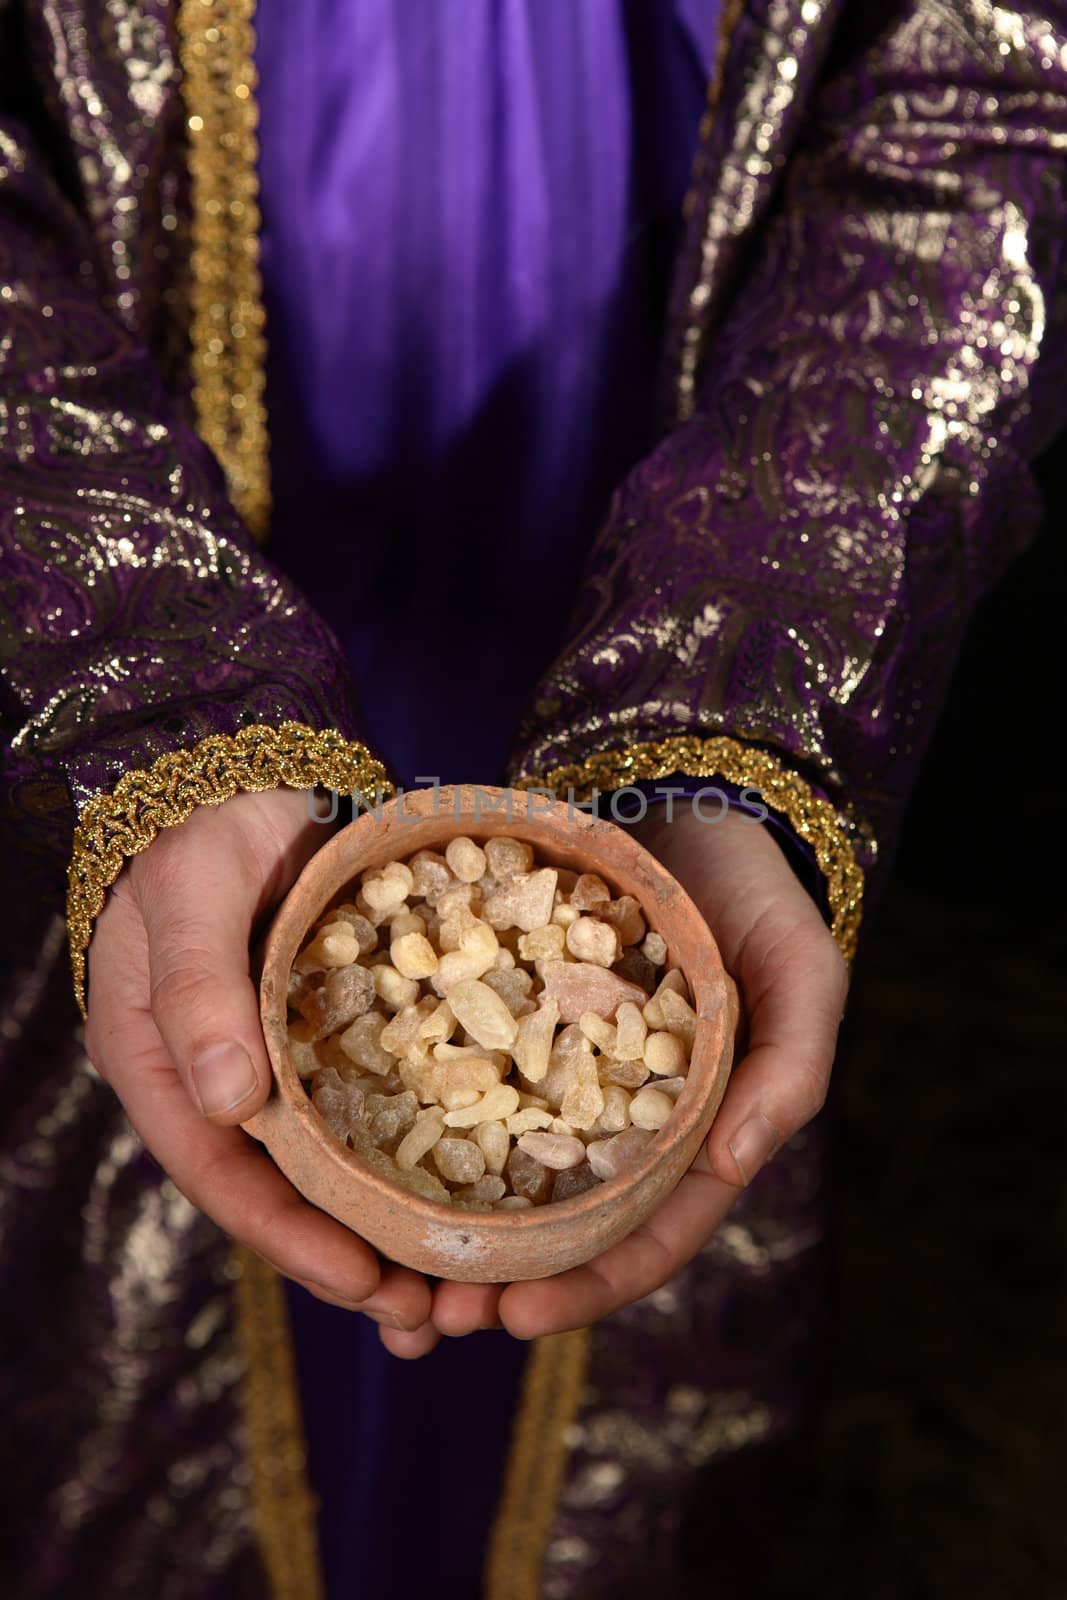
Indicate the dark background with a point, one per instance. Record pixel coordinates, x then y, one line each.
941 1460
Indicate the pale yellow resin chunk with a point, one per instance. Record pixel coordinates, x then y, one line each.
461 1026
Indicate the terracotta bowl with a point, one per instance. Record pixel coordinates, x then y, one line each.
499 1246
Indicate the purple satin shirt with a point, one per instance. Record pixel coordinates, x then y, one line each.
470 212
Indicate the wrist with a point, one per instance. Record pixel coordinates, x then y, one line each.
701 804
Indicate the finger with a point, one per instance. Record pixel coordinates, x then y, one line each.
223 1172
410 1346
327 1296
796 999
462 1308
198 905
219 1169
783 1080
402 1299
634 1267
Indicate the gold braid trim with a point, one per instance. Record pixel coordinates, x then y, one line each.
285 1509
783 790
537 1456
114 826
228 345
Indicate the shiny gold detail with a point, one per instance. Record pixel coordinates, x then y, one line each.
728 20
228 356
227 336
692 333
537 1458
114 826
285 1509
813 818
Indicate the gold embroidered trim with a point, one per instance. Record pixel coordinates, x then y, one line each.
552 1388
813 818
228 344
537 1457
285 1509
114 826
692 336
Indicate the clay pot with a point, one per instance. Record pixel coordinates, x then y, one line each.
499 1246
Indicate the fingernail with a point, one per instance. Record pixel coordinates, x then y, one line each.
752 1144
386 1317
223 1076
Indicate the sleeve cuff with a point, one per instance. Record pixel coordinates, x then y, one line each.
709 798
831 835
123 821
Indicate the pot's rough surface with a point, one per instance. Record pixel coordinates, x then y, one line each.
497 1246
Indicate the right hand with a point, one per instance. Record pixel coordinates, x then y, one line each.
174 1028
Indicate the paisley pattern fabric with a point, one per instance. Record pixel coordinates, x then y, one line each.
137 615
866 349
693 1403
125 1459
874 271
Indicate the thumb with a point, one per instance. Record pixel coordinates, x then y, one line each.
199 892
783 1080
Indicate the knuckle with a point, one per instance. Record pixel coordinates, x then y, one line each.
207 1183
810 1093
835 971
160 869
808 1110
182 985
178 853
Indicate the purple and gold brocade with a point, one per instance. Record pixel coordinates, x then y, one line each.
873 280
125 1463
138 616
137 619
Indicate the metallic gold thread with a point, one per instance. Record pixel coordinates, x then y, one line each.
116 825
228 361
537 1458
551 1392
284 1507
784 791
731 13
228 342
692 334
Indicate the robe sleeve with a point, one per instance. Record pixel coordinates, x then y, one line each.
781 588
153 659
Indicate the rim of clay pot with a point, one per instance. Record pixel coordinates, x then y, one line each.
666 904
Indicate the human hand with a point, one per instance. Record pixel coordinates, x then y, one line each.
174 1028
793 983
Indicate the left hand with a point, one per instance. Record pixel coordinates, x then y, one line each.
792 983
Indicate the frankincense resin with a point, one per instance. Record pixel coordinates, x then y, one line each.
489 1031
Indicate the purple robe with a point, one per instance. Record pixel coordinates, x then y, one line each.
454 456
469 221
